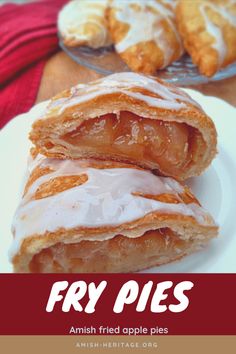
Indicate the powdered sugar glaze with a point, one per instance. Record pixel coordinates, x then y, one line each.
156 94
215 31
150 14
105 199
77 14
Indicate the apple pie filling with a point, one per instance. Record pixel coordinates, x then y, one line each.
113 255
129 137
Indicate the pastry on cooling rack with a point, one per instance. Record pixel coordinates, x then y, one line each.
91 216
208 29
128 117
144 33
83 23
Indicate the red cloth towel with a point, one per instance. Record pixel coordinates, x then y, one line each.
28 35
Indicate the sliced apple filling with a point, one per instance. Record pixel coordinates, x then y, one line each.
128 137
113 255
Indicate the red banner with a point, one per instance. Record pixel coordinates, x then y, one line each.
33 304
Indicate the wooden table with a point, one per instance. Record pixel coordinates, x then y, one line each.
61 72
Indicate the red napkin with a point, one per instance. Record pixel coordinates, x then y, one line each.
28 35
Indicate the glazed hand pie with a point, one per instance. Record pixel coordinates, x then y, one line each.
130 118
90 216
144 33
208 29
84 23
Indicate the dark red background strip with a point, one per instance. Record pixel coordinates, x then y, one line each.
23 299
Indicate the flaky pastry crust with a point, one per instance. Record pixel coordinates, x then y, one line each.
50 231
147 98
83 23
144 34
208 29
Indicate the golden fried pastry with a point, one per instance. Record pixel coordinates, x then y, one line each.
91 216
208 28
144 33
131 118
84 23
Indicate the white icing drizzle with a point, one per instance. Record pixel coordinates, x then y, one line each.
76 14
215 31
105 199
225 12
145 25
166 97
172 3
170 18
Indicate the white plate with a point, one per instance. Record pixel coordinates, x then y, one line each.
216 188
